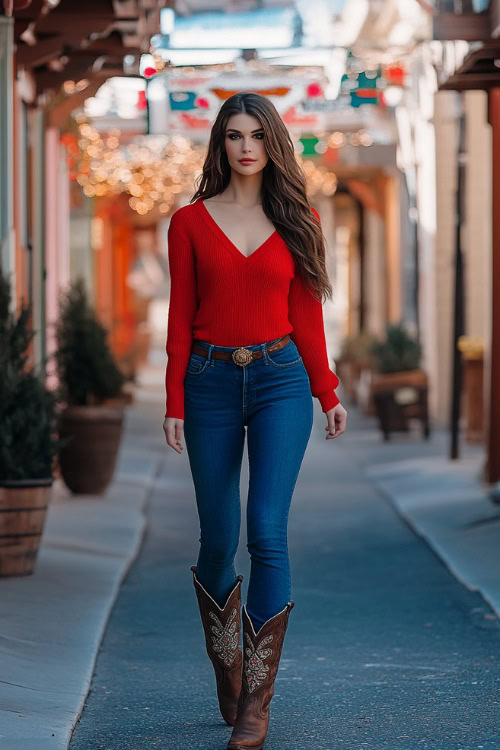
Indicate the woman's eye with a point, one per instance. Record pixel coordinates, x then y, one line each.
232 136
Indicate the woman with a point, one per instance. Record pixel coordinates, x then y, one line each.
246 349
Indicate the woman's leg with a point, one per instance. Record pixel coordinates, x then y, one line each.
214 436
277 435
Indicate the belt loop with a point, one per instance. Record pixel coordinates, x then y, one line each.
211 360
264 349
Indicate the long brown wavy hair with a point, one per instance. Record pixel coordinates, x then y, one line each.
283 191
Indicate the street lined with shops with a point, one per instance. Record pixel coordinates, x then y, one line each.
118 122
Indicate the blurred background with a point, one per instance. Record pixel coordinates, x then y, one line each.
394 110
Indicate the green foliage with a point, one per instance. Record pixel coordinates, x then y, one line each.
87 371
399 351
359 348
28 439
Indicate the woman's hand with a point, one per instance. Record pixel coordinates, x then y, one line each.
337 418
173 429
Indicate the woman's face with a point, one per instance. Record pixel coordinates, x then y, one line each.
244 139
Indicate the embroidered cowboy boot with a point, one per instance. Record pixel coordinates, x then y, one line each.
222 638
261 656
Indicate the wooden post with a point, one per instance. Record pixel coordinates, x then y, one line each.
458 295
492 469
393 250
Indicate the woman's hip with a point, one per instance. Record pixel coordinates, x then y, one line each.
224 388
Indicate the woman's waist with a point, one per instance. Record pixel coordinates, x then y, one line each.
252 345
232 335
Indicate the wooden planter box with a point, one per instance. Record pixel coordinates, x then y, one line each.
23 509
399 397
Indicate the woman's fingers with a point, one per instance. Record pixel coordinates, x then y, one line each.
341 423
173 429
337 419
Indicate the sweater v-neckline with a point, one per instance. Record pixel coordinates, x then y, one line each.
225 239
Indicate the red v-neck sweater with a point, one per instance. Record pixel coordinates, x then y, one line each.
219 295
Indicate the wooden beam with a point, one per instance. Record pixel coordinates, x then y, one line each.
471 27
39 54
471 82
477 70
50 80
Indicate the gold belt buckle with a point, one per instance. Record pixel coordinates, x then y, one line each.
242 356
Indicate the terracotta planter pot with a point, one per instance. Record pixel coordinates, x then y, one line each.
87 462
23 508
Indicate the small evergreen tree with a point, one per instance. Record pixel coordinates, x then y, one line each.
86 369
28 441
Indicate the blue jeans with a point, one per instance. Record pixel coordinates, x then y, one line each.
272 398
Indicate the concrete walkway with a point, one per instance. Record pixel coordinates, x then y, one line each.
385 648
447 505
52 622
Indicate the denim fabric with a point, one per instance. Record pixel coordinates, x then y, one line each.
272 398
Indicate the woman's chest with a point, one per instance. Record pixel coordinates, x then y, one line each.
271 265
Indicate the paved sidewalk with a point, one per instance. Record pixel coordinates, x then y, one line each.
385 649
448 506
52 622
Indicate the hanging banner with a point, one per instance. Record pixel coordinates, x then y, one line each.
188 105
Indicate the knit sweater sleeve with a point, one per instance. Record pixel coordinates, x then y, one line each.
305 313
181 313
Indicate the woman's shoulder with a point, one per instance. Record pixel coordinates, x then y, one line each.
183 214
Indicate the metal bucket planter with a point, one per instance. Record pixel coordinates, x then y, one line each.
23 509
87 461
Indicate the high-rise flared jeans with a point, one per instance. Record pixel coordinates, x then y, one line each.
272 398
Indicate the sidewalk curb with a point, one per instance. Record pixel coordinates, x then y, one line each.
445 503
52 622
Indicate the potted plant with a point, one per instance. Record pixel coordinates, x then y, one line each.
399 386
356 359
90 384
28 442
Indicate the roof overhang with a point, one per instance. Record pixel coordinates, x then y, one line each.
480 69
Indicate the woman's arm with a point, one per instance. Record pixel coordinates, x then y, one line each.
305 313
181 312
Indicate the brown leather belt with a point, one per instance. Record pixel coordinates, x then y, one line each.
241 356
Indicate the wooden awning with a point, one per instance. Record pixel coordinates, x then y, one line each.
479 70
72 39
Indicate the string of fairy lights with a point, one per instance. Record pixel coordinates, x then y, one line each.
154 169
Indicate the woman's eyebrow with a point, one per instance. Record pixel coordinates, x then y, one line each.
239 131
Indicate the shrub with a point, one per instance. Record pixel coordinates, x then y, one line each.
87 371
28 433
398 352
